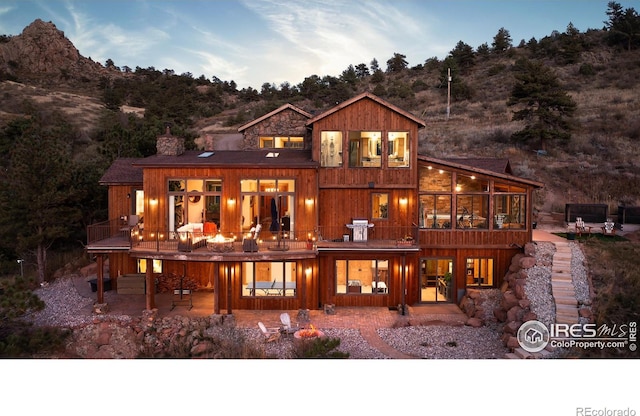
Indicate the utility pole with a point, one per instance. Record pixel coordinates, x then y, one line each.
448 92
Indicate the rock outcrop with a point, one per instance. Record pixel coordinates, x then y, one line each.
43 53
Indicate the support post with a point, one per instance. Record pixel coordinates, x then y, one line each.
216 289
100 282
150 287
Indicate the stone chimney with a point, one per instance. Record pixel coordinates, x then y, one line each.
169 145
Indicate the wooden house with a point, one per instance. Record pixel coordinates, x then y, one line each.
337 208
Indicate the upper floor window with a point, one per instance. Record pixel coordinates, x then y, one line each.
330 149
282 142
194 201
268 202
398 149
365 149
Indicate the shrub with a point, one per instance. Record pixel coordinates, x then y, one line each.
319 347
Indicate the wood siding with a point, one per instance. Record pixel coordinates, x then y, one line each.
366 115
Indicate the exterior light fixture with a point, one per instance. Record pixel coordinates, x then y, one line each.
403 201
231 201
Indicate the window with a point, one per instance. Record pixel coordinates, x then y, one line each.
362 277
398 149
479 272
435 198
331 149
269 279
365 149
472 202
509 207
436 279
282 142
156 264
435 211
472 211
194 201
380 206
269 202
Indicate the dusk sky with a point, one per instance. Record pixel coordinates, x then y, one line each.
256 41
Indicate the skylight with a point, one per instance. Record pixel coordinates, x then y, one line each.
206 154
273 154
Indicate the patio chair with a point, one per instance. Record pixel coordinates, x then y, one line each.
609 228
581 227
287 327
270 334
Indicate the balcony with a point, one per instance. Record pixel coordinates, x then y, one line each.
114 236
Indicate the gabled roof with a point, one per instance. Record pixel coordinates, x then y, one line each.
122 172
498 168
367 95
271 114
271 158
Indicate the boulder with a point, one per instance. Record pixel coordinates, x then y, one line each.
509 300
474 322
500 314
527 262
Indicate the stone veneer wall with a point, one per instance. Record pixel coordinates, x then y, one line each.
284 123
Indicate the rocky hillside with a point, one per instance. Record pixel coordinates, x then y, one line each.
42 54
598 165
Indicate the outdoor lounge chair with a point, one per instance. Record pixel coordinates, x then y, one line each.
581 228
609 228
287 327
270 334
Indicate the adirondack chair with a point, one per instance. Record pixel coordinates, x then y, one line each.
270 334
287 327
581 228
609 227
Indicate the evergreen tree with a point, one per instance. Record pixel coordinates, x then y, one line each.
463 55
542 103
623 25
501 41
397 63
38 197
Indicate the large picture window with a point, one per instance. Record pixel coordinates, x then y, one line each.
362 277
269 279
330 149
194 201
270 203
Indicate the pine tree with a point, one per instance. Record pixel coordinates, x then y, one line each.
542 103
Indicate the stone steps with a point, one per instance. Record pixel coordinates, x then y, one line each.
564 296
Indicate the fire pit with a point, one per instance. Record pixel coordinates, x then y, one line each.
308 333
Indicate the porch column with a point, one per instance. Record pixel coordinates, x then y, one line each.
150 287
404 280
100 276
229 279
216 289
